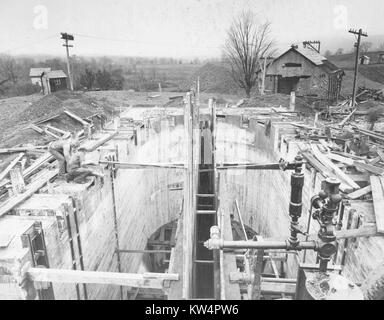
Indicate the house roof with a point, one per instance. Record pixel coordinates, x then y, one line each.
54 74
311 55
37 72
314 57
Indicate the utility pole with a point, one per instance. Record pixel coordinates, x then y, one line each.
68 37
359 34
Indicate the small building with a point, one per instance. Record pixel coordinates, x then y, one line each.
306 72
35 74
53 81
365 59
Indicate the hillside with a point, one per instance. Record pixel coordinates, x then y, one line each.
371 76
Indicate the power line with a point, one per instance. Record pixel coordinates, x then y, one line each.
29 44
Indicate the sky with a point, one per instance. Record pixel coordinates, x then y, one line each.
174 28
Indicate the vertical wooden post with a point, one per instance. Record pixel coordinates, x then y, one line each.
17 180
257 270
188 201
116 226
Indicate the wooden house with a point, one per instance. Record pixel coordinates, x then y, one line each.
53 81
36 74
306 72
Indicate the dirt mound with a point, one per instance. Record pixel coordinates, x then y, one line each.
15 127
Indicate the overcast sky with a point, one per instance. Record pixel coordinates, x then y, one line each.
177 28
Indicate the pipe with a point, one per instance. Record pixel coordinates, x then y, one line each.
286 245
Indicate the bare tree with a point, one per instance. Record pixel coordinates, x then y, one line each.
247 42
8 68
381 47
339 51
365 46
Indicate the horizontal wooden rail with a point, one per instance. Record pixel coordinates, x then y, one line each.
145 280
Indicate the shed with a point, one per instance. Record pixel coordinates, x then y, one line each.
35 74
54 80
306 72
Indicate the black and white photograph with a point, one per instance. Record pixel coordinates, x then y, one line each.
207 152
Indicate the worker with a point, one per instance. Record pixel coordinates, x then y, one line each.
61 150
78 169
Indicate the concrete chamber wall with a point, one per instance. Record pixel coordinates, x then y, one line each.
264 195
144 202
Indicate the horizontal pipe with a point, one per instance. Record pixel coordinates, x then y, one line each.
142 251
126 165
223 244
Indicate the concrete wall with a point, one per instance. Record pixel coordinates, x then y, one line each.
143 204
264 195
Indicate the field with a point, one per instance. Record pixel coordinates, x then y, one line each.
370 76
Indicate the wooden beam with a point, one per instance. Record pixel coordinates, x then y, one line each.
368 167
5 172
377 184
93 145
270 288
242 277
145 280
30 190
77 118
339 158
63 132
36 128
37 164
257 270
21 149
368 231
359 193
340 174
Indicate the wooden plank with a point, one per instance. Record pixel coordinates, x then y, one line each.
359 193
36 128
63 132
342 176
381 154
37 164
242 277
77 118
368 167
341 159
30 190
270 288
145 280
51 134
257 270
93 145
377 185
4 173
21 149
17 180
367 231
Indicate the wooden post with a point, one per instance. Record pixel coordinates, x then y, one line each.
188 201
292 101
17 180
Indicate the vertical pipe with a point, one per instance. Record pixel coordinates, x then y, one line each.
295 206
